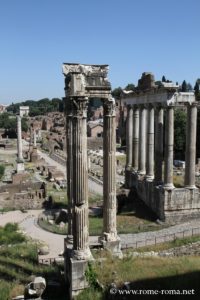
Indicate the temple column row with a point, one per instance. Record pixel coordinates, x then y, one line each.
143 139
77 176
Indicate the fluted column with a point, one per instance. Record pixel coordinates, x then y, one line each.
109 172
191 146
150 144
68 112
129 136
80 180
169 148
158 144
34 138
135 153
19 139
142 141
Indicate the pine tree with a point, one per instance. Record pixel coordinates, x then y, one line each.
163 79
196 89
184 86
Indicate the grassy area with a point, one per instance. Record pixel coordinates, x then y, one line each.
168 245
94 198
9 234
122 159
143 273
19 263
178 181
125 224
52 227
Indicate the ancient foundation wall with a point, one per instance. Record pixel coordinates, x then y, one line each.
169 205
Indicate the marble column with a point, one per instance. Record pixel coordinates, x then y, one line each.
150 144
19 139
109 172
158 144
69 129
142 141
135 146
169 148
190 158
34 139
129 136
81 250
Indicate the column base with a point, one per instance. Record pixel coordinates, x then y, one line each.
75 274
149 178
168 186
20 167
82 255
190 187
141 172
70 238
112 245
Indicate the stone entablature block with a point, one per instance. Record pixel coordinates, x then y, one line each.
163 97
86 80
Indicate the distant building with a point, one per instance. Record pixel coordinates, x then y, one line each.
3 108
23 111
94 129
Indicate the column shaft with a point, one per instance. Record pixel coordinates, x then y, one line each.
34 139
142 141
191 146
135 147
158 144
150 144
129 136
69 130
19 139
109 172
80 180
169 147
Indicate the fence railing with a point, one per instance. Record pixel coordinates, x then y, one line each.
153 241
50 261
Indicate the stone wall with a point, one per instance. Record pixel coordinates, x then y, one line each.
23 196
169 205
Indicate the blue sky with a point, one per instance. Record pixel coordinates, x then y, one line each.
132 36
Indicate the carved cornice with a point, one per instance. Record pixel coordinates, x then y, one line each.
88 70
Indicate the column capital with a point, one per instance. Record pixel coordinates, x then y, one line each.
109 107
79 107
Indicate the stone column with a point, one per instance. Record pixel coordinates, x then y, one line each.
169 148
19 139
142 141
135 153
69 130
150 144
190 158
129 136
158 144
81 250
34 139
109 173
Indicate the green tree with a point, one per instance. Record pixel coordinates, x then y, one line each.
2 170
179 133
184 86
196 90
117 92
130 87
163 79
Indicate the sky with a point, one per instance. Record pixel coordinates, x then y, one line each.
132 36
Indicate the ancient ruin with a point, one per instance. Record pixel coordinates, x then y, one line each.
150 118
20 160
83 82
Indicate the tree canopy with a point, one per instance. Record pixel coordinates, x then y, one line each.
39 107
9 122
